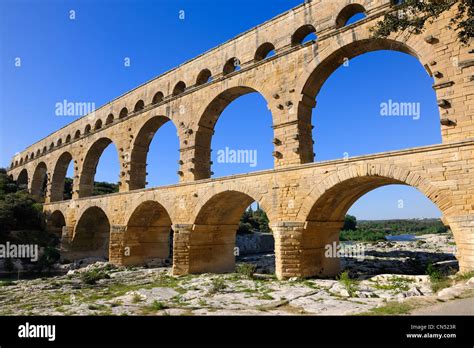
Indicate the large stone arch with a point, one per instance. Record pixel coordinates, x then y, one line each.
206 123
91 235
211 242
147 234
357 180
39 181
236 189
140 148
350 44
322 211
89 166
59 176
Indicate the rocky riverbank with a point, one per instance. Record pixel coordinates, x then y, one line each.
390 280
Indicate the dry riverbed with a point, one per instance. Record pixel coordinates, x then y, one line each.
102 289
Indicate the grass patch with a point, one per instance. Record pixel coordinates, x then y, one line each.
391 308
217 285
7 283
91 277
349 284
396 284
438 280
154 307
136 298
464 276
246 269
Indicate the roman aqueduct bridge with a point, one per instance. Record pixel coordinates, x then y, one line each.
306 201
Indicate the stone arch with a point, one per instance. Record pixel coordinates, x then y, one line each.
98 124
109 119
88 129
39 181
59 176
55 223
245 193
51 146
59 143
231 65
89 166
346 186
68 138
179 88
320 69
123 113
301 33
214 231
325 207
203 77
22 179
207 123
91 235
263 50
157 98
347 12
140 105
45 149
140 150
147 235
77 135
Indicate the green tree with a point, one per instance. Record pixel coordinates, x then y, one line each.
103 188
350 223
412 15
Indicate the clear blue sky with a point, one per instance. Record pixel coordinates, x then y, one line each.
82 60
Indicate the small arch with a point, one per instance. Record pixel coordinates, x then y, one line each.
87 130
98 125
123 113
179 88
139 106
303 34
16 163
60 142
51 146
264 51
68 138
21 161
32 155
45 149
157 98
59 177
39 182
55 223
204 76
233 64
109 119
77 135
22 180
38 153
91 235
347 13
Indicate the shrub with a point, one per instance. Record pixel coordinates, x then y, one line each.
217 285
246 269
91 277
